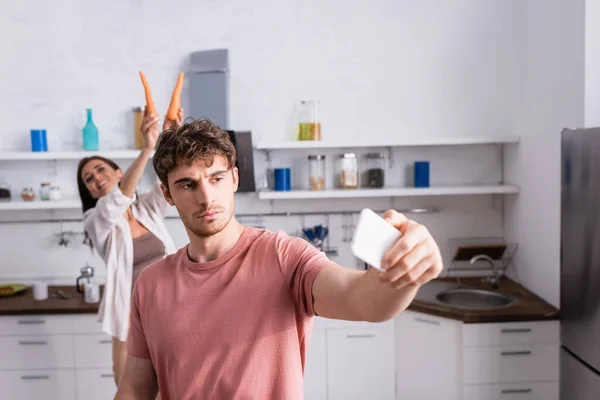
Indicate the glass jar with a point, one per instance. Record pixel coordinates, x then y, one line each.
45 191
307 115
55 193
28 194
348 171
5 190
316 172
138 115
373 175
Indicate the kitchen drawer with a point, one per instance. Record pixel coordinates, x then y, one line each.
35 324
38 384
93 351
513 391
503 364
86 323
36 352
498 334
96 384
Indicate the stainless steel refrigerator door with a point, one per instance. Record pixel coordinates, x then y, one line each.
577 381
580 244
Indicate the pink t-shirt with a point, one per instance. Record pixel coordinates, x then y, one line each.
233 328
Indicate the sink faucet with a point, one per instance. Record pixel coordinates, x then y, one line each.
495 279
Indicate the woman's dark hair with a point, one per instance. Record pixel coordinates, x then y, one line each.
87 201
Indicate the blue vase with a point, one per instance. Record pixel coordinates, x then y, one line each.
90 133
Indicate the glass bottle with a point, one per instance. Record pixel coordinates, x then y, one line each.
90 133
373 175
316 172
138 115
348 171
309 126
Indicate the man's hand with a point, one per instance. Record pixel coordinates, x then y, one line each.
414 259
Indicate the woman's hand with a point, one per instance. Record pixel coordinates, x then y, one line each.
150 132
168 124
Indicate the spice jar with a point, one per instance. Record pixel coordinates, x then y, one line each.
28 194
348 171
45 191
55 193
373 172
316 172
4 191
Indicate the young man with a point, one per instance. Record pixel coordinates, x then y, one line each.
229 316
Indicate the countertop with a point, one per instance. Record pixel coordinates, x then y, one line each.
528 306
23 303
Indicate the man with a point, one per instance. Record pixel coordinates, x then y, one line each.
229 316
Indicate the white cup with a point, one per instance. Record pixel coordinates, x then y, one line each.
40 290
91 292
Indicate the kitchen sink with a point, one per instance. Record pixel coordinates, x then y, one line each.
474 298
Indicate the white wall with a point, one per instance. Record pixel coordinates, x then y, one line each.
553 98
592 63
382 68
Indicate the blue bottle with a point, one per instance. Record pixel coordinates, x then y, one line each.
90 133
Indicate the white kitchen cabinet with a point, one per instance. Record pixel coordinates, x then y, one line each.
39 384
96 384
315 371
428 352
360 363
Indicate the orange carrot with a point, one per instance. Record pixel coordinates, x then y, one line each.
175 105
150 108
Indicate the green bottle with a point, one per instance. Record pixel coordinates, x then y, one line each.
90 133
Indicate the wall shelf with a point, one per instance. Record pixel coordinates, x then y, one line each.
388 192
20 205
360 143
66 155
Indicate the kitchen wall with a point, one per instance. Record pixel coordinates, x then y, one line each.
553 99
385 69
592 63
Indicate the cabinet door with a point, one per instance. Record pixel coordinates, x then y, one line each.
428 357
360 364
95 384
315 372
47 384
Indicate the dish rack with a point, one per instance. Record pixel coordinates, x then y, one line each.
462 250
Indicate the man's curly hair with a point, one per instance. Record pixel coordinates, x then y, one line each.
197 140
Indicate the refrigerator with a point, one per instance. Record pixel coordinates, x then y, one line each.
580 264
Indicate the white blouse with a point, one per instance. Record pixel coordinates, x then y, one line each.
110 234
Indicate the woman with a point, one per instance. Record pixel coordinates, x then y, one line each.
128 231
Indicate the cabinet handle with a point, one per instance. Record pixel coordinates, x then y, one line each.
427 321
33 342
510 391
366 335
516 330
516 353
105 341
31 322
34 377
107 376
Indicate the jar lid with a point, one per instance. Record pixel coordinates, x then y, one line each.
45 183
316 157
348 155
138 109
374 155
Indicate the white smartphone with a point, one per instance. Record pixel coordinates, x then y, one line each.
373 237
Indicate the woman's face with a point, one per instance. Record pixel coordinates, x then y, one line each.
99 177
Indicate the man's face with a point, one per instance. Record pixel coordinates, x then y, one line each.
203 195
